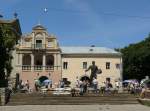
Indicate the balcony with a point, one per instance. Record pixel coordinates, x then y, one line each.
39 68
49 68
26 67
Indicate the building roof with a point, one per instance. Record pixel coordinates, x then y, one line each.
15 24
39 27
88 50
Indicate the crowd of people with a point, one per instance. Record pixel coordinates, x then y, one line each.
24 86
90 85
95 87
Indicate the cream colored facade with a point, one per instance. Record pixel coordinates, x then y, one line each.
39 54
75 67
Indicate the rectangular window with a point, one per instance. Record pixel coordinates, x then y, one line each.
84 65
107 65
38 43
65 65
117 66
50 44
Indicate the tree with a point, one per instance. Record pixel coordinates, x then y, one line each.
8 36
136 60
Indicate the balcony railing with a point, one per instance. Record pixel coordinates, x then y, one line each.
39 67
49 67
38 46
26 67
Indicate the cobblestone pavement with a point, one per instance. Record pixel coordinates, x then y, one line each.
137 107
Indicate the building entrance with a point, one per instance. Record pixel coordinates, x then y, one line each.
42 78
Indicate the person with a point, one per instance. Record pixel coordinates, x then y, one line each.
103 87
37 84
62 84
27 84
21 84
77 83
95 84
84 86
94 70
81 87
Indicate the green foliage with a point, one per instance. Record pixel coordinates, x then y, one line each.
136 60
7 42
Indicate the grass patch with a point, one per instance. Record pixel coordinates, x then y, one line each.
144 102
147 103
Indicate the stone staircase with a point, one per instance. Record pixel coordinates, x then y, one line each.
40 99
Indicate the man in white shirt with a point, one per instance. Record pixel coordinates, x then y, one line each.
95 84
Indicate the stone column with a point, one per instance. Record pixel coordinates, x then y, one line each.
44 40
55 61
59 61
44 64
21 61
32 62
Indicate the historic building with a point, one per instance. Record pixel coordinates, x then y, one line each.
38 55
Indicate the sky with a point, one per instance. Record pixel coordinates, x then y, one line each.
103 23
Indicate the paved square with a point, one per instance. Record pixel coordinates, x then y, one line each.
137 107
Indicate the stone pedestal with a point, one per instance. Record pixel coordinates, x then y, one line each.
2 96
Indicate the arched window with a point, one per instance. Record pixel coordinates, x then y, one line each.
50 60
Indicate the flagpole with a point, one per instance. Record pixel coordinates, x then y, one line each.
45 10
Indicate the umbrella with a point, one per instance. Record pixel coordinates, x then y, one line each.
133 81
127 81
47 81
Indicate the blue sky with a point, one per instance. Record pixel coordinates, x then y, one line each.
106 23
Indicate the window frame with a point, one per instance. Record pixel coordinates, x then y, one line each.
84 65
65 65
107 65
